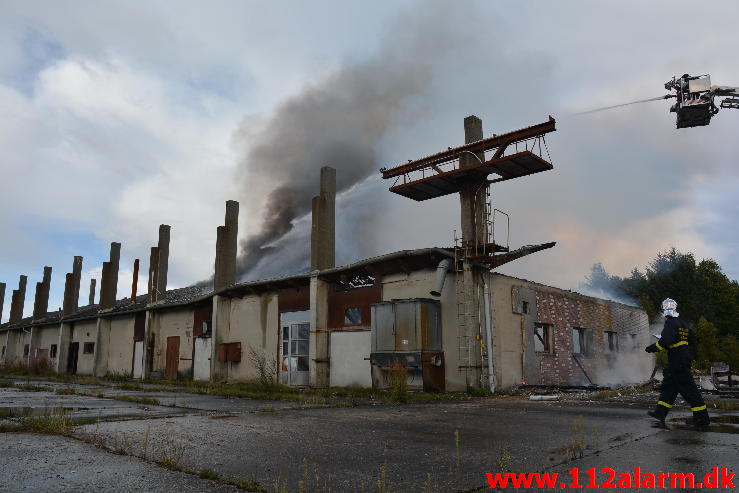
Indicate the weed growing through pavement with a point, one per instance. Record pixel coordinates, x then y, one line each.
576 447
457 452
398 376
206 473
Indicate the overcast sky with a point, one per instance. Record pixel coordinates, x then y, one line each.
116 117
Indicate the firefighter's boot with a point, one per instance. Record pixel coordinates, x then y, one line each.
659 413
700 418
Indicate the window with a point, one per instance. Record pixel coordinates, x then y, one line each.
525 307
353 316
88 348
610 341
634 341
579 341
52 352
542 338
25 350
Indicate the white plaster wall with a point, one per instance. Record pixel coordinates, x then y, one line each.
82 332
507 338
254 322
418 284
174 322
120 346
349 358
48 335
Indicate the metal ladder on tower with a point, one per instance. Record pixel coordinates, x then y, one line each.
464 343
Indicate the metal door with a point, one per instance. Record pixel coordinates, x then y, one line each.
295 349
173 357
201 365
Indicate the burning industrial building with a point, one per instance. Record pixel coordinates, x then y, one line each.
442 314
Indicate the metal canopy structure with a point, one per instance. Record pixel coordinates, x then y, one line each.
530 138
507 167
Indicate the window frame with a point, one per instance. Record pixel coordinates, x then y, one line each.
582 341
610 341
355 324
546 339
86 345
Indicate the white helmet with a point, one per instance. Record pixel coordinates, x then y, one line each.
669 308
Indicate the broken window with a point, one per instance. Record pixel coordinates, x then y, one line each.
52 352
610 341
353 316
542 338
25 350
88 348
580 341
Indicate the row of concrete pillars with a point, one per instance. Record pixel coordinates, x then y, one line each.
322 256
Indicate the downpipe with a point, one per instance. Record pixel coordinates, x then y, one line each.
488 335
441 272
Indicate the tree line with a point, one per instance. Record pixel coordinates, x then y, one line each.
706 298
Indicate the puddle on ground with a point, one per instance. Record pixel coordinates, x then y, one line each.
27 411
719 424
685 441
686 460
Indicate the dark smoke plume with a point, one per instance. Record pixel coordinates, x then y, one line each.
337 121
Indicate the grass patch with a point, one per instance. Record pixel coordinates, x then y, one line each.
246 484
605 394
725 405
65 391
5 385
206 473
130 398
131 386
56 422
34 388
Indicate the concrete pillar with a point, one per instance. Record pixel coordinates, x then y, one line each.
221 334
163 262
76 280
41 299
91 299
65 337
319 335
153 266
18 301
109 278
135 282
323 227
226 248
2 299
474 233
102 347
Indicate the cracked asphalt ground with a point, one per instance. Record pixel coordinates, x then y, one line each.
442 446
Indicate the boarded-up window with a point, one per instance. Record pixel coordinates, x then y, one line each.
139 326
229 352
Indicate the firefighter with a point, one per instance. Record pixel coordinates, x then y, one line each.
678 340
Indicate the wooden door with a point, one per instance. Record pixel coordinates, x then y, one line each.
173 357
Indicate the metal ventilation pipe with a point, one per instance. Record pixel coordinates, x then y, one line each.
441 271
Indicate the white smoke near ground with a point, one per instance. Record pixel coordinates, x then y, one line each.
631 365
626 368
